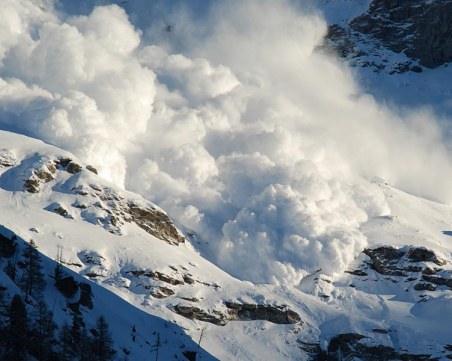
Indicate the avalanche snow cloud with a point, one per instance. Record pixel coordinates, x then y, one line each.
231 121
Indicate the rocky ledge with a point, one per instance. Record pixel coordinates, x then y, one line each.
236 311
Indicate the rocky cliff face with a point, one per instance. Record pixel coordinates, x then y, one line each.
419 29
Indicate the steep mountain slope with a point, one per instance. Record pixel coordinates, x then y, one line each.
262 149
395 296
401 49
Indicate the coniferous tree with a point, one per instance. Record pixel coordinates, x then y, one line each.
102 344
16 343
32 280
42 332
67 352
59 266
86 343
11 270
4 309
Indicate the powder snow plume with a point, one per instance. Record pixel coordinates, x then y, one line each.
231 121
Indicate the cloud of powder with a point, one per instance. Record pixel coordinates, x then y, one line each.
231 122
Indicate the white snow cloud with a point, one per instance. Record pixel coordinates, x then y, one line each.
249 138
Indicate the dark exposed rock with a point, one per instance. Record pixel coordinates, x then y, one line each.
240 312
91 169
119 211
424 287
161 292
412 263
165 278
196 313
348 347
43 173
156 275
274 314
384 259
421 254
73 168
357 272
32 185
420 29
155 222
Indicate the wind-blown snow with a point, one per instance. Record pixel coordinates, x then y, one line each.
231 122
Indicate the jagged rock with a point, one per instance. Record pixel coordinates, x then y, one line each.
274 314
155 222
156 275
196 313
383 260
240 312
43 172
73 168
420 254
161 292
424 287
118 210
420 29
438 280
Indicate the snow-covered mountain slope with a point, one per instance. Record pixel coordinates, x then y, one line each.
265 152
401 49
397 293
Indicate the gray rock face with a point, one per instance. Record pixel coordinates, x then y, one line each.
420 29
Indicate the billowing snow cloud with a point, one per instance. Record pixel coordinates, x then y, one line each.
232 122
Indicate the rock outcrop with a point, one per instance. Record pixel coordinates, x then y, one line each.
420 29
235 311
348 346
413 265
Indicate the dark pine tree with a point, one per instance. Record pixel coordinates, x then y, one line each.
10 270
42 332
32 280
102 344
16 348
66 352
4 310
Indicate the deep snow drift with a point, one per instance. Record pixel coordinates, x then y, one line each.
230 121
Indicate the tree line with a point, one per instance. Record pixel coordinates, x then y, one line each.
27 326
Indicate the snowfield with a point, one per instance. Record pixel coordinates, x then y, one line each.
212 181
